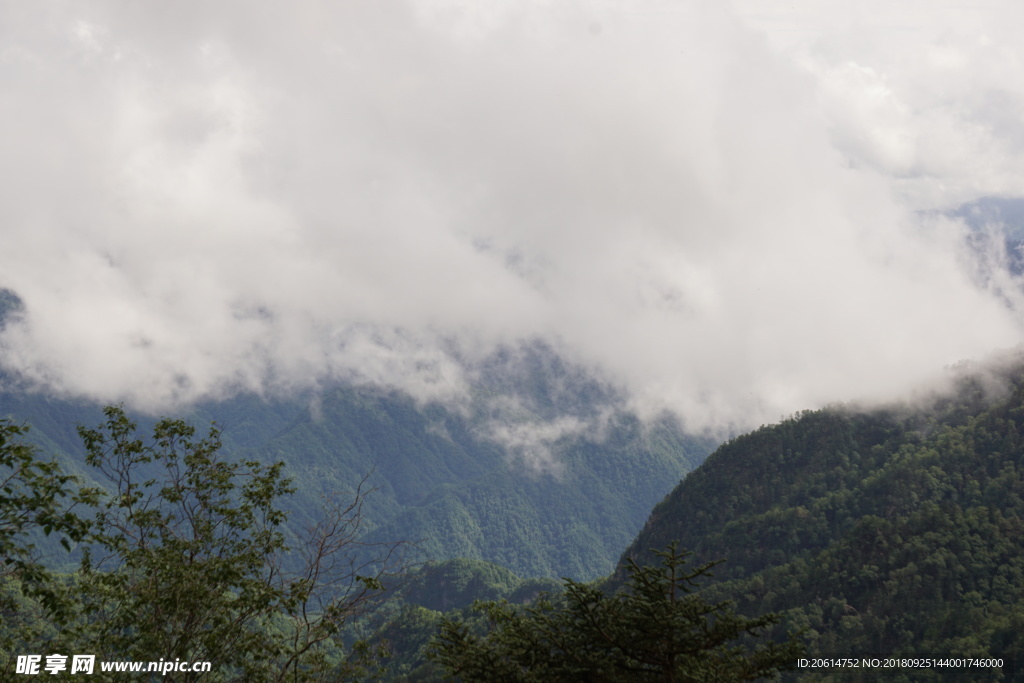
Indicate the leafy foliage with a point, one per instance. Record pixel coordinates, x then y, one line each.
35 497
186 558
658 629
182 565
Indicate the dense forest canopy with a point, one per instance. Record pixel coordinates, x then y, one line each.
897 530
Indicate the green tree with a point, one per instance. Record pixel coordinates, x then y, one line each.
657 629
188 559
36 497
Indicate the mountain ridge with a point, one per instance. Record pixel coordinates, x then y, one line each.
444 476
896 530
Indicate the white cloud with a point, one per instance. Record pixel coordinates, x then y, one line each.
208 198
929 95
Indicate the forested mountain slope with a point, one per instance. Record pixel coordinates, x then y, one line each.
889 531
549 500
443 483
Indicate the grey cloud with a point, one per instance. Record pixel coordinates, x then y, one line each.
209 198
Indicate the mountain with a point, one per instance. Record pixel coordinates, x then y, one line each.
893 531
414 612
539 469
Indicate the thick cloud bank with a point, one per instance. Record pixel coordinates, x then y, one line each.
202 198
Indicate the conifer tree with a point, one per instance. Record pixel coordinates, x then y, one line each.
657 629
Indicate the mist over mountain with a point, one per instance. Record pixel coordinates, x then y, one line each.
543 470
997 226
200 205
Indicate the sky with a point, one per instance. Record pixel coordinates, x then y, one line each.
729 212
